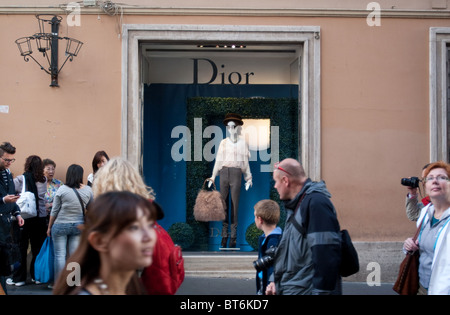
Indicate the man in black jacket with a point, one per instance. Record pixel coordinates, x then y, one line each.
8 208
308 258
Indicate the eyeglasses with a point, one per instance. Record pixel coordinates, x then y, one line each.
278 167
8 160
439 178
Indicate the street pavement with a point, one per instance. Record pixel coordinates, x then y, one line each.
231 286
220 286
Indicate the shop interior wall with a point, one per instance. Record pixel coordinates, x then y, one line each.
374 101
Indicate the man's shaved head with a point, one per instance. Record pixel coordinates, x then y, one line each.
289 177
295 171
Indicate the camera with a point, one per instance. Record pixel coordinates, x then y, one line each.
412 182
266 261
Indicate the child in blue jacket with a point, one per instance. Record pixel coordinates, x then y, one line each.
267 215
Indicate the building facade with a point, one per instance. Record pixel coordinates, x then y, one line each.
369 83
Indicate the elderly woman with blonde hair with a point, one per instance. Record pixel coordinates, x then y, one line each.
120 175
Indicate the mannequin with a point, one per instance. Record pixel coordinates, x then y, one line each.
231 162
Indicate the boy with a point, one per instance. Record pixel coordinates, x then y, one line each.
267 215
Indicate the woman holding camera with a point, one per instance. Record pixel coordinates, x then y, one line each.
434 238
413 206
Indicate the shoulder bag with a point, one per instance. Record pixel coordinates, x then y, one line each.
349 255
349 259
27 203
407 282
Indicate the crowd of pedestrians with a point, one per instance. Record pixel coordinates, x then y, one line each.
108 230
112 237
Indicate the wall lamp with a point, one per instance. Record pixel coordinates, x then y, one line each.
47 44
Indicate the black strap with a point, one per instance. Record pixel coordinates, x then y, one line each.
79 199
31 186
294 222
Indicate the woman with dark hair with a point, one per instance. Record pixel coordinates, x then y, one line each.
100 159
53 184
118 238
33 231
67 214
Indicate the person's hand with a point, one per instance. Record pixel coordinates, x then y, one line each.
412 192
270 289
210 182
20 220
410 245
11 198
48 207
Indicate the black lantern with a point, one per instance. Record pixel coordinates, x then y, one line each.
47 44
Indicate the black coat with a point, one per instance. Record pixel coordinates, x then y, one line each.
6 209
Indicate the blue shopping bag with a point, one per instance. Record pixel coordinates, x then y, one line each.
43 266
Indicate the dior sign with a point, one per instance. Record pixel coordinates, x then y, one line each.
209 67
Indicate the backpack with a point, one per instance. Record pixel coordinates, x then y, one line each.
349 259
166 273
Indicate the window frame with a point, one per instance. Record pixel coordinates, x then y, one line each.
439 42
